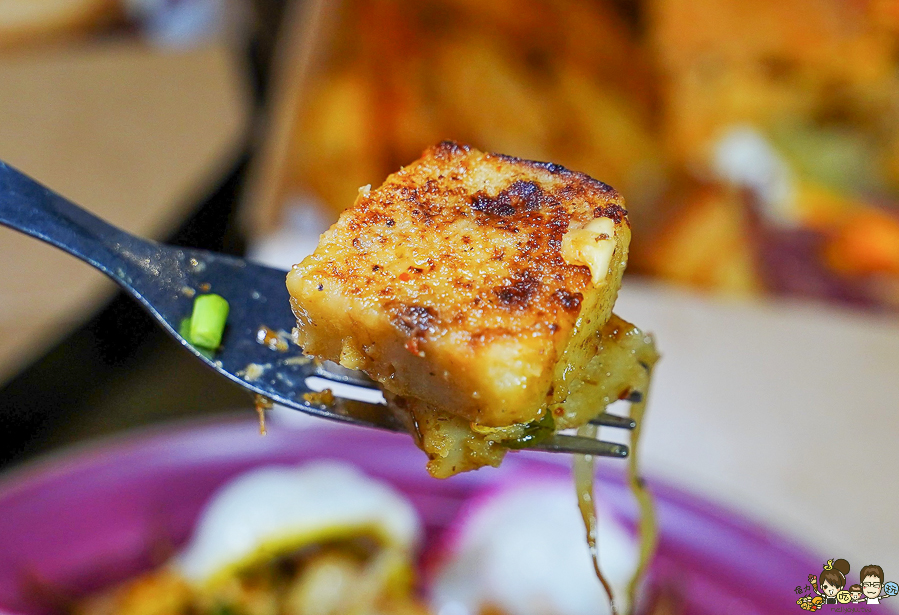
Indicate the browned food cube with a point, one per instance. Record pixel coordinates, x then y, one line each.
475 284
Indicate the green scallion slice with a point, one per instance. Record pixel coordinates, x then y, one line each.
207 323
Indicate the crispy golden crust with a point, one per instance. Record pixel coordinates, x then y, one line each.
435 195
448 283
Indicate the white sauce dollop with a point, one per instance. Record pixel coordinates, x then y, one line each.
525 552
745 158
273 505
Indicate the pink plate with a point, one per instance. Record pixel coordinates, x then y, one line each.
95 515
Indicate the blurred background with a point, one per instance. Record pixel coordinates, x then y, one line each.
756 143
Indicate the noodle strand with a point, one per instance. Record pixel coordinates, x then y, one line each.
584 466
647 527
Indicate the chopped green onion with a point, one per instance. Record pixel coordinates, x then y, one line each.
534 432
184 328
184 331
207 323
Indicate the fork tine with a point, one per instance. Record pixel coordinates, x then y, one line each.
583 446
375 415
613 420
351 411
336 373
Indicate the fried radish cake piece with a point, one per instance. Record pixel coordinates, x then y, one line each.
471 284
617 363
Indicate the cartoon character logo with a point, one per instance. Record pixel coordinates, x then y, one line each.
808 603
873 587
830 586
832 580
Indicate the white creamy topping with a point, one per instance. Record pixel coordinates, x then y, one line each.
525 552
275 505
591 246
743 157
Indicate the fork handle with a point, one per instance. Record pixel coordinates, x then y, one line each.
33 209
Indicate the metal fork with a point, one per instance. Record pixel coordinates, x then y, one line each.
164 280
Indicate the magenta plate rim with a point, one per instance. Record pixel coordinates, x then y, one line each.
95 513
